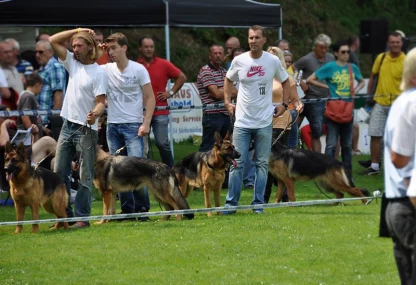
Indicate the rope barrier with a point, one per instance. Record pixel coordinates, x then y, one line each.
190 211
16 113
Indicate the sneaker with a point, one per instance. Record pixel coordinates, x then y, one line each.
369 171
356 152
80 225
144 219
258 211
365 163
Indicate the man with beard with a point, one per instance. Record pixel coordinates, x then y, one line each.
84 102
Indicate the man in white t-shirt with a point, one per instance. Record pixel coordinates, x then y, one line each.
254 111
84 102
399 151
129 89
4 87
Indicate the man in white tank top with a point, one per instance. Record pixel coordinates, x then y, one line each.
253 112
84 102
129 89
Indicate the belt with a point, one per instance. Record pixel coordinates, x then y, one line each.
401 199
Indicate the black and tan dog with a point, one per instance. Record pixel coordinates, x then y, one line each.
288 165
115 174
33 187
206 170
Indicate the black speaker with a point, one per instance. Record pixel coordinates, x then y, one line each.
373 36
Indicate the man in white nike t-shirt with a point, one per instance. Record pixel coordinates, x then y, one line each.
84 102
129 89
253 112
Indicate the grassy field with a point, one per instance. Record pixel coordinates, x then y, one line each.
297 245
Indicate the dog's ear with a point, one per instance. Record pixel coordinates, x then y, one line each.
21 151
8 147
218 139
227 136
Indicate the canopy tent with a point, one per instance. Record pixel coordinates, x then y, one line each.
136 13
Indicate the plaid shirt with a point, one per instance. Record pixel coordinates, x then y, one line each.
54 79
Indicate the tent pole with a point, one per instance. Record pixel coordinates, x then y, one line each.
167 42
281 24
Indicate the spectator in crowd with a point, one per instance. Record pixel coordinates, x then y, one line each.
309 64
129 90
27 101
83 104
399 155
354 44
230 44
210 83
14 80
282 124
23 67
288 60
98 37
253 112
42 37
54 79
282 44
160 71
389 78
337 76
4 86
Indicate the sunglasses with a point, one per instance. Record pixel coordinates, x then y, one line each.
345 51
40 51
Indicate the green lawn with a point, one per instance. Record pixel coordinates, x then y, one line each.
296 245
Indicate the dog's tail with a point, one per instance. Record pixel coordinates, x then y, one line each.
181 201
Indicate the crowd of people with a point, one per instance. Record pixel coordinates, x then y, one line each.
81 73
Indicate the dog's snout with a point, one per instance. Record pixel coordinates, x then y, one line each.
237 154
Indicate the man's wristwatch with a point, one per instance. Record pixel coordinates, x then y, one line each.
285 105
171 93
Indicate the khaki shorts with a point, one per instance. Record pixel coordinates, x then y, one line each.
378 118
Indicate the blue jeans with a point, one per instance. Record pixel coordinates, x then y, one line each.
333 130
292 140
119 135
160 131
314 112
249 170
212 123
262 147
69 145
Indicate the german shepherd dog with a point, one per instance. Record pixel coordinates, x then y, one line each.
206 170
33 187
288 165
116 174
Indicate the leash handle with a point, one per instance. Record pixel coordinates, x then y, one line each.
123 147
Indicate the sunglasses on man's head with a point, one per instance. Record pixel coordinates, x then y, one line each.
345 51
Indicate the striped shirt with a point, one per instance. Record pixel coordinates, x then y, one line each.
54 79
24 67
207 76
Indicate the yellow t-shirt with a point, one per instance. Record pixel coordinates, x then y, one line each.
290 70
389 79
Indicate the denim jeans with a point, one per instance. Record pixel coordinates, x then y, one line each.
333 130
314 112
292 140
119 135
160 131
262 147
249 170
212 123
69 145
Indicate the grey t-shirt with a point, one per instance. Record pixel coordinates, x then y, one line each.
309 64
27 101
354 59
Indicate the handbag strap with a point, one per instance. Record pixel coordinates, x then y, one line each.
351 80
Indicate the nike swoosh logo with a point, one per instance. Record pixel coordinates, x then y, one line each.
253 73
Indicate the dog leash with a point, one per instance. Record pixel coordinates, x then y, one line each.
123 147
285 129
57 146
